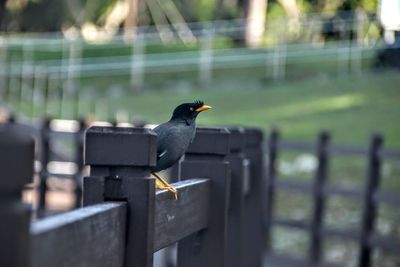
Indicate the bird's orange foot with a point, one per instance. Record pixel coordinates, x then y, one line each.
162 184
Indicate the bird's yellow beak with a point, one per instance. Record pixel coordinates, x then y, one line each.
202 108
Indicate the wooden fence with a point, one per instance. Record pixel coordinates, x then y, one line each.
46 136
218 220
370 196
124 219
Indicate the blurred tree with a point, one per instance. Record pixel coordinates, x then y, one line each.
53 15
131 20
2 8
255 27
22 15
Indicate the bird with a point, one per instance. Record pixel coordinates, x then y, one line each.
174 138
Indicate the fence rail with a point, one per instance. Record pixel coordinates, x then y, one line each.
90 236
370 195
218 220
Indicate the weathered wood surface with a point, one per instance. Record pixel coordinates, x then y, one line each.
388 243
175 220
16 165
90 236
343 150
236 230
120 161
253 241
370 207
105 144
318 210
208 247
273 143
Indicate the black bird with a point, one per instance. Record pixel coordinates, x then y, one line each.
174 137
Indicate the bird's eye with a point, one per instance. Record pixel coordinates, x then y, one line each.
191 109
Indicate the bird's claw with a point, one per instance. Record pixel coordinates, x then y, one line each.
169 188
162 184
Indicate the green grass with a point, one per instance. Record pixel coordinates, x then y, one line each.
352 108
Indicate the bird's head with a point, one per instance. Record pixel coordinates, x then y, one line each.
189 111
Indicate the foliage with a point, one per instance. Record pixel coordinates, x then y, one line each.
23 15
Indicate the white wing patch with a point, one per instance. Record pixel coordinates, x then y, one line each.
162 154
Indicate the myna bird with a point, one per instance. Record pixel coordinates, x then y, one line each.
174 138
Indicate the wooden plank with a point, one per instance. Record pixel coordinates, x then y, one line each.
293 185
45 152
299 224
388 198
348 150
276 260
390 153
281 260
208 247
348 234
370 207
296 146
273 142
384 242
315 248
335 150
253 241
353 193
123 158
16 164
175 220
236 231
90 236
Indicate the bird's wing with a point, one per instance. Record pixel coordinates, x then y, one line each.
170 136
166 133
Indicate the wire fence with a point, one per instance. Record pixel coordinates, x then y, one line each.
36 69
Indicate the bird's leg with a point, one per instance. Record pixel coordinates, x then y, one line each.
165 185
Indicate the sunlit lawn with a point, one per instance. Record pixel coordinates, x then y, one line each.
350 107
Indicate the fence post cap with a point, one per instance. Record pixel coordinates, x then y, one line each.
120 146
237 139
254 137
214 141
17 147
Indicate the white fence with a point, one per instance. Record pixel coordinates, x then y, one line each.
38 69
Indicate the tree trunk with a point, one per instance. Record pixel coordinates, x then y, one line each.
255 24
131 21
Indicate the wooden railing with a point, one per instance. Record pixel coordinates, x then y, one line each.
124 220
223 216
369 195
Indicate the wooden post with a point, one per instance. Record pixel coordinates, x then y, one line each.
120 161
369 205
16 164
315 250
270 184
44 160
253 242
79 146
239 188
206 158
